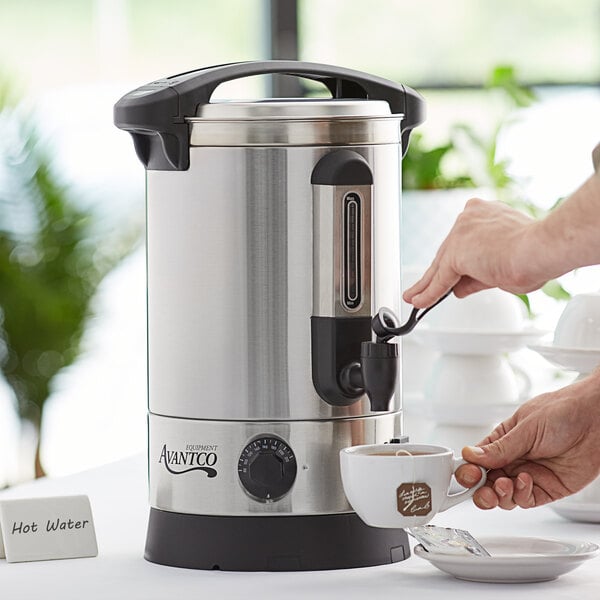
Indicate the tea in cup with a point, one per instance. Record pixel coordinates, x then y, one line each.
401 485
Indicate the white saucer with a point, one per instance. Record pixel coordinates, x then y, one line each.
514 559
582 512
582 360
476 342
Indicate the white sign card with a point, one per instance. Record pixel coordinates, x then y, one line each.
47 528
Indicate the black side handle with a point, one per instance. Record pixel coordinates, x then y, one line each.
155 113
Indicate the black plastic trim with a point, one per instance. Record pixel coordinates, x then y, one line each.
342 167
336 343
270 543
352 257
155 113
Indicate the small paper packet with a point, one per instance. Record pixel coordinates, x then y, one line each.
445 540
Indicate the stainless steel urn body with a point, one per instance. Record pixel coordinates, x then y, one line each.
273 234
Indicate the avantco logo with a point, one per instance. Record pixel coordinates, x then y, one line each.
196 457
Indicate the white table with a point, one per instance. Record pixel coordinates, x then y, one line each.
118 496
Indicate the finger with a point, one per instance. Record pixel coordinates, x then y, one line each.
420 285
467 286
428 276
504 450
541 496
523 494
495 474
443 279
468 475
485 498
504 489
547 486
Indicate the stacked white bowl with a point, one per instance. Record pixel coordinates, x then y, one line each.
472 385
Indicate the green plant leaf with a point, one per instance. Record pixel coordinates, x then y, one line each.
504 77
525 299
557 203
422 167
555 290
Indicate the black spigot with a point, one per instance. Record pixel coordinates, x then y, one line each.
374 375
376 372
379 368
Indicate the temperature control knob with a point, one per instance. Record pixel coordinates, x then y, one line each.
267 468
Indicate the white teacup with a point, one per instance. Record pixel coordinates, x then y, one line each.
579 324
401 485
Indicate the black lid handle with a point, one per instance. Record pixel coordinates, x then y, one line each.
155 113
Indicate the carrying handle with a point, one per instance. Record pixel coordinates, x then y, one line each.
341 82
454 499
155 113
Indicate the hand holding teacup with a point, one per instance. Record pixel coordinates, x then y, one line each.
528 464
401 485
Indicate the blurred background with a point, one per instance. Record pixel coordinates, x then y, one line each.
513 113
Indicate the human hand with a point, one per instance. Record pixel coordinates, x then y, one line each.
490 245
550 448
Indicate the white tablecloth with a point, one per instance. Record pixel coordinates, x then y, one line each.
118 496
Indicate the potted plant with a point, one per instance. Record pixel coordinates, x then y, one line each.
439 180
53 257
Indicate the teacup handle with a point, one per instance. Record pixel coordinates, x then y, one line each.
454 499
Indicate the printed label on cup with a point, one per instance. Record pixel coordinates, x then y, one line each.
414 499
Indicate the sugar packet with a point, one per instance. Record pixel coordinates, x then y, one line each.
446 540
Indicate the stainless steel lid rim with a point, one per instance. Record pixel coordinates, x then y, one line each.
305 108
313 132
307 119
282 144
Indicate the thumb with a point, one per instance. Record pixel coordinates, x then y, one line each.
515 444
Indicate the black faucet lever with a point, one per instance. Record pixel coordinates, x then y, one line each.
385 323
